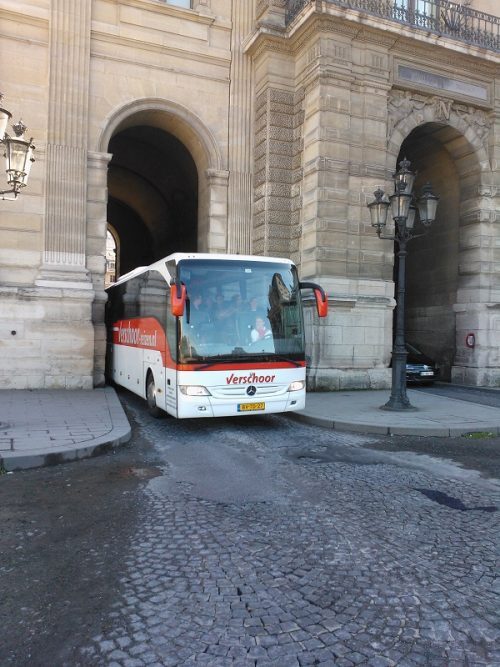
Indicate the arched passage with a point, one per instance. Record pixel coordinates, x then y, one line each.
164 189
441 155
165 182
153 195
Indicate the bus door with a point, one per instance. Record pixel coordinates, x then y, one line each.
171 361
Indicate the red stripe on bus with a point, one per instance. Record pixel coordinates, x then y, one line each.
217 366
145 333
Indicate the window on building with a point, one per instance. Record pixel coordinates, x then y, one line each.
180 3
110 274
418 12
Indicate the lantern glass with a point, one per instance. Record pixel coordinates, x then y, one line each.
378 213
410 220
404 178
27 168
427 205
4 119
378 209
18 154
400 205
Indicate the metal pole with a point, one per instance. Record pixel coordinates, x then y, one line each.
399 399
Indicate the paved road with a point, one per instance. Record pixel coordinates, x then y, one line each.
489 397
254 542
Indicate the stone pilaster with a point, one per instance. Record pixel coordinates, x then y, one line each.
277 173
212 225
477 309
97 200
240 132
65 214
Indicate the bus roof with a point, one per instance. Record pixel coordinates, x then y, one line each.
176 257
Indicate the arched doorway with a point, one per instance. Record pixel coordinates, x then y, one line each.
152 195
166 186
441 155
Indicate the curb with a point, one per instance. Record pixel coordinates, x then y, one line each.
25 461
119 434
373 429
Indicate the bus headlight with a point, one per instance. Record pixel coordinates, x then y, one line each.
193 390
297 385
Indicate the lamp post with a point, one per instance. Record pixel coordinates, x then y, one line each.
18 153
404 214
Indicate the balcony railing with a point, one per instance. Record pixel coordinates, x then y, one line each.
440 17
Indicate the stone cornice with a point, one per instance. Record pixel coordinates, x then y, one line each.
394 37
40 18
135 44
322 24
291 43
374 36
267 40
217 176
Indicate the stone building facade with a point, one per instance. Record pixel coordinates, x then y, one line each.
253 126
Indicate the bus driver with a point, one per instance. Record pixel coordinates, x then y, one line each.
259 330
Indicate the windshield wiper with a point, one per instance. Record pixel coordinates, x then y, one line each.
214 359
279 357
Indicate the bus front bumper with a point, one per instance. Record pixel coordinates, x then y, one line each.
209 406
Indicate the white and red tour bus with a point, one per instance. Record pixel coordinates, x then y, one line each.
201 335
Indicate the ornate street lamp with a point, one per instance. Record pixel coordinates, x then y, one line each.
404 215
18 155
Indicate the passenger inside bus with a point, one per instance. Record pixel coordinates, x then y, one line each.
224 315
198 311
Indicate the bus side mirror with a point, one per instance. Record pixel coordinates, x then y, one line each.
320 296
177 299
321 302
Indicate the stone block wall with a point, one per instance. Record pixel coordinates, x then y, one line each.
356 114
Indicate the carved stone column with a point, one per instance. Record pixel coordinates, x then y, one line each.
276 209
97 226
212 223
64 256
240 133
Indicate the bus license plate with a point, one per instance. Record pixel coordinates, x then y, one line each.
247 407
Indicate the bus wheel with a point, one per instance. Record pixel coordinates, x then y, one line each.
153 409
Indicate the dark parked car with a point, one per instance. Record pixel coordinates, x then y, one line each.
419 367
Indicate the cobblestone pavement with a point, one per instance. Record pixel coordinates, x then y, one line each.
264 542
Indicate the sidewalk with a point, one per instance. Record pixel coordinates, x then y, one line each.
45 427
434 415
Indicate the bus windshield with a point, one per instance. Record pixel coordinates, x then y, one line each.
245 310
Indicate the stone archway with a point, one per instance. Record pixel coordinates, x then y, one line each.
448 143
187 130
433 259
160 123
152 196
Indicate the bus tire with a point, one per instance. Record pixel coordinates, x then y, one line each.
153 409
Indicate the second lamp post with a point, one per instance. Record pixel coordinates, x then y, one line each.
404 214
